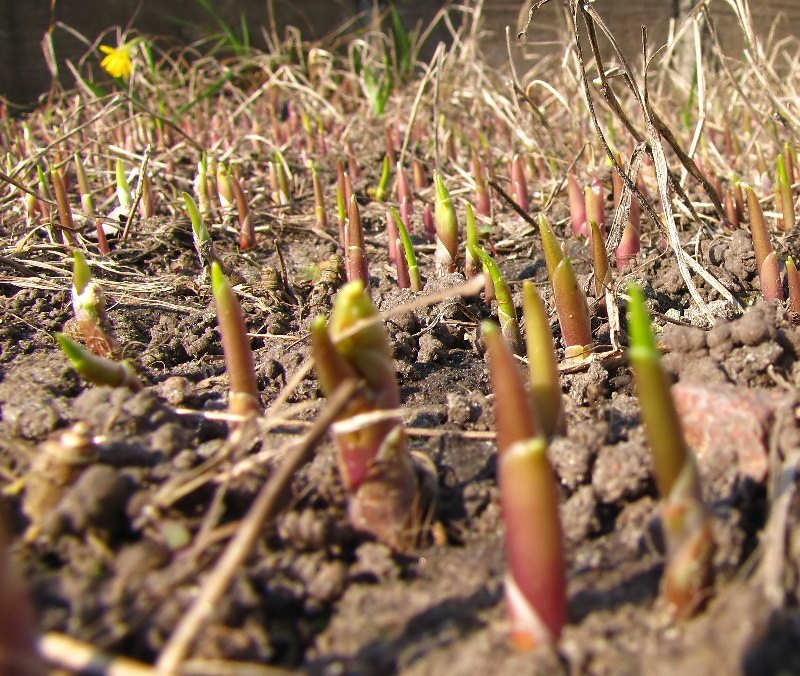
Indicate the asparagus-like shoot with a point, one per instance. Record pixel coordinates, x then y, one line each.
200 185
602 270
244 399
201 237
505 304
552 251
758 228
535 584
595 207
355 258
784 191
471 257
738 197
320 216
89 305
686 523
408 251
482 197
544 383
573 313
96 369
793 282
373 457
124 196
87 205
770 278
577 205
519 183
64 209
383 182
446 224
247 230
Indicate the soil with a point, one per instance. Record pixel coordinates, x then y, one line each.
115 553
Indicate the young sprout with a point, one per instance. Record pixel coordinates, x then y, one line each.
687 526
392 236
505 304
201 237
147 204
89 305
88 206
200 186
789 162
383 182
602 270
353 167
738 197
573 313
770 278
446 229
518 182
341 214
244 399
783 193
19 654
758 228
766 261
577 205
552 251
428 225
96 369
407 251
731 212
482 197
630 243
224 187
320 217
595 203
44 192
535 584
471 256
124 196
418 175
355 259
247 230
373 457
793 282
544 383
64 209
405 196
283 180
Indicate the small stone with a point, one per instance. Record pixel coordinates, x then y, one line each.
458 408
725 419
175 390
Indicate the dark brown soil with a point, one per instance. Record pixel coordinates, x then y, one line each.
119 552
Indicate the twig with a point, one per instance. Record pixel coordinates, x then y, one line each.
139 189
70 654
201 611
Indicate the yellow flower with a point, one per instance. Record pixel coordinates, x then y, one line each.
117 61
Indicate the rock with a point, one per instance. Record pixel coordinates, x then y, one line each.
725 419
